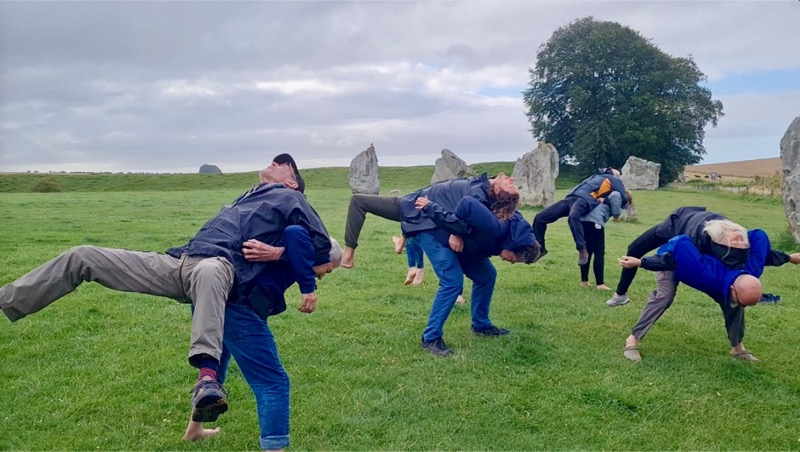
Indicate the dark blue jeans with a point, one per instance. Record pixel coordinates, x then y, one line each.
414 253
248 339
451 271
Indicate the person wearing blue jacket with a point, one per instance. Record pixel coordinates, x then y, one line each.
202 272
727 243
499 194
248 339
580 201
461 245
680 261
594 232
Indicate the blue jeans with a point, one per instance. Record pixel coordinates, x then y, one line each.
247 337
414 253
450 272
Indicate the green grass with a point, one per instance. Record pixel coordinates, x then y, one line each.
103 370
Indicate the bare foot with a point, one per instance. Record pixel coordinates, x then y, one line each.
461 300
399 244
603 287
584 283
196 432
419 276
348 257
412 272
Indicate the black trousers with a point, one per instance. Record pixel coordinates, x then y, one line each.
596 246
572 207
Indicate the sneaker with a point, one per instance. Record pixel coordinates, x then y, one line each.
770 298
437 347
209 400
491 332
583 256
617 300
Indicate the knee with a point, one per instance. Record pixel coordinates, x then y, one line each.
80 253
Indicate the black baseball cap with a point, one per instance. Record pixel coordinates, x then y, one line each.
283 159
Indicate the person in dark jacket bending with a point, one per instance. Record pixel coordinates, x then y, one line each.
680 261
248 339
459 246
728 243
498 194
580 201
203 272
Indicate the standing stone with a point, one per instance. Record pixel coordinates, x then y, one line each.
209 169
790 185
535 174
449 166
629 213
365 173
640 174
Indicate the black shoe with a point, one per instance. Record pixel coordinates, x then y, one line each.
437 347
491 332
583 256
209 400
542 254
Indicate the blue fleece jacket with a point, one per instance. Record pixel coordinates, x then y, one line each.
705 272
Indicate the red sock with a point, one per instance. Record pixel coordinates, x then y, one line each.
207 372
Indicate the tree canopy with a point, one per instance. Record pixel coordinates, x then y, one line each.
600 92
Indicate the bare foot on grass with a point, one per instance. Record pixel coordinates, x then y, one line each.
419 277
399 244
603 287
348 257
196 432
412 272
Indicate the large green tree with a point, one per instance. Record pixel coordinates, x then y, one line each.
600 92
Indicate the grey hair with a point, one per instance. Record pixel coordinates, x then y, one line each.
336 253
716 230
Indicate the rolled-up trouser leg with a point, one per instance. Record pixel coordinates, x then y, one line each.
360 206
657 302
124 270
207 281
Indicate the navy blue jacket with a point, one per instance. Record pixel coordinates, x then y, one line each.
705 272
262 213
483 233
446 194
265 293
599 186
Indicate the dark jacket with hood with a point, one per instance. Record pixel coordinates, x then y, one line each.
263 213
691 221
447 194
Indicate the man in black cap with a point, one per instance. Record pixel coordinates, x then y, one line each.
286 159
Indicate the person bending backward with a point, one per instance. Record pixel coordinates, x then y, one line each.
680 261
580 201
248 339
726 241
202 272
461 245
498 194
594 232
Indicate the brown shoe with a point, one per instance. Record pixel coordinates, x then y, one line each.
583 256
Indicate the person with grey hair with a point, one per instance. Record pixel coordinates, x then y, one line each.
680 261
724 239
215 262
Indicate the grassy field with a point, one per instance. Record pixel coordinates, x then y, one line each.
103 370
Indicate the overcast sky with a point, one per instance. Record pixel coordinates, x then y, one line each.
166 87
